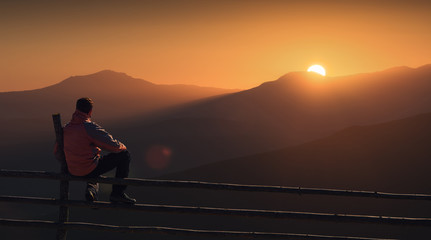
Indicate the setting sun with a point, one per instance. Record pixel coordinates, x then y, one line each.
317 69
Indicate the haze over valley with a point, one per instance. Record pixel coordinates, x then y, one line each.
202 125
367 131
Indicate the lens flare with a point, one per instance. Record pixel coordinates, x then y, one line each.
158 157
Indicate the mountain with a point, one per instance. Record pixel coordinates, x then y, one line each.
116 95
301 106
296 108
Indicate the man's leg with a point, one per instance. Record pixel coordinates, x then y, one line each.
121 162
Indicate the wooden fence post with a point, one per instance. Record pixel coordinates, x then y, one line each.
63 215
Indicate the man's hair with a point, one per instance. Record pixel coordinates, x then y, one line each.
84 105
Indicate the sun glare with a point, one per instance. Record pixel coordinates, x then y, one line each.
317 69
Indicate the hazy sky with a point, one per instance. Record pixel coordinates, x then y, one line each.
230 44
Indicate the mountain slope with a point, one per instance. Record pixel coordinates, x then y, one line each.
392 156
304 105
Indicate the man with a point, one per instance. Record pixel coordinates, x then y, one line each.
83 141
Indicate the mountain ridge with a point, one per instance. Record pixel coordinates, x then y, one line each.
104 85
110 75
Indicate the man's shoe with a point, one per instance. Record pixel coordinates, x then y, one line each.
90 196
122 198
91 193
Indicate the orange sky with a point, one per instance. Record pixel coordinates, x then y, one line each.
229 44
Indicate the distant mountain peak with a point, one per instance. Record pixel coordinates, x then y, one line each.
301 75
398 69
405 69
426 66
108 72
294 79
104 77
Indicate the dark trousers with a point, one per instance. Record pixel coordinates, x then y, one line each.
120 161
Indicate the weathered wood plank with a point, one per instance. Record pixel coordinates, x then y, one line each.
63 215
170 231
214 186
333 217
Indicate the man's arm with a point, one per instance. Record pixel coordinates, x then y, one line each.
103 139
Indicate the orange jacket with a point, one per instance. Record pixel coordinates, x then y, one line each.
83 141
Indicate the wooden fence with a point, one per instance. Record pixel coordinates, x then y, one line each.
63 224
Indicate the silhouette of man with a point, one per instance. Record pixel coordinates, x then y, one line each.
83 142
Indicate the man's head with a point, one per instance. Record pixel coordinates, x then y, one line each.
84 105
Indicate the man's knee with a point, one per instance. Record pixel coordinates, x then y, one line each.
125 156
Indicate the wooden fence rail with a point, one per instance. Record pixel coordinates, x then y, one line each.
171 231
214 186
333 217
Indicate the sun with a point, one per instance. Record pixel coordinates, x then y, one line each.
317 69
